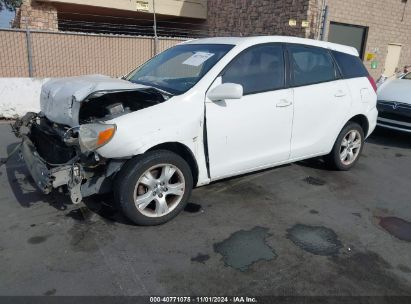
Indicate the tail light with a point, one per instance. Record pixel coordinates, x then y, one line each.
373 84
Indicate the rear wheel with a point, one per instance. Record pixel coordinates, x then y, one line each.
153 188
347 148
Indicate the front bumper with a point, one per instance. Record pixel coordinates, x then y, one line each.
394 115
394 125
47 177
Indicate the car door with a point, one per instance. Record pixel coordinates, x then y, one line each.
321 100
254 131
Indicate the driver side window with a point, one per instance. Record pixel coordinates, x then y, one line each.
257 69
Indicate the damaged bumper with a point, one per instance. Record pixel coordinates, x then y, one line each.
48 179
56 162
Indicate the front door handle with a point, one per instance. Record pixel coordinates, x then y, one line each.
340 93
284 103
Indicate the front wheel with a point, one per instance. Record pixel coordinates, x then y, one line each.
153 188
347 148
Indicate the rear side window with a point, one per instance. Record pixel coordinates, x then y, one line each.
310 65
257 69
350 66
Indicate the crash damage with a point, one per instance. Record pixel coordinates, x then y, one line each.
51 146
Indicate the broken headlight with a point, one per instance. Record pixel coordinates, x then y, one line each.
95 135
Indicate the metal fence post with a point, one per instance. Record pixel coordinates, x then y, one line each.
29 51
155 29
324 21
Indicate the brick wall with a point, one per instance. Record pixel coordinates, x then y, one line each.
383 17
256 17
35 15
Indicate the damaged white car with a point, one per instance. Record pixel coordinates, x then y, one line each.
201 111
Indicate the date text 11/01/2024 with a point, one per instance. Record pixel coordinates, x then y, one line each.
203 300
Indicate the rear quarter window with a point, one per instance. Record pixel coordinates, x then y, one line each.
350 66
310 65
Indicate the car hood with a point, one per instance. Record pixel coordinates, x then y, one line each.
398 90
60 99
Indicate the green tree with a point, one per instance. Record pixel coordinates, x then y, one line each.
10 5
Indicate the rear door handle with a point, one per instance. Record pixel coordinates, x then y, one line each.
284 103
340 93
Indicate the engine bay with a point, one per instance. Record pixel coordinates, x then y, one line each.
103 105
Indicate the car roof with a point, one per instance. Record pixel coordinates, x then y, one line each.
249 41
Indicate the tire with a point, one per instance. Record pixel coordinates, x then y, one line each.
337 160
148 181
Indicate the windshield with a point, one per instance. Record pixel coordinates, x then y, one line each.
179 68
408 76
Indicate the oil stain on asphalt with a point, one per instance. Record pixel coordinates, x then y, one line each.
50 292
244 248
315 181
367 270
80 214
37 240
200 258
397 227
315 239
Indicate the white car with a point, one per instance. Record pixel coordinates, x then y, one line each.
199 112
394 104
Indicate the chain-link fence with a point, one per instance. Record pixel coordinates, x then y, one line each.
31 53
67 43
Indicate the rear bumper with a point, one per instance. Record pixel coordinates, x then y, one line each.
372 120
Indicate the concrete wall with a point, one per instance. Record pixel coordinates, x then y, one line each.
42 14
177 8
19 96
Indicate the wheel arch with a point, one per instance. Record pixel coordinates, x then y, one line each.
184 152
362 120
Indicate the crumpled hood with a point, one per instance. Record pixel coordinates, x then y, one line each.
398 90
60 99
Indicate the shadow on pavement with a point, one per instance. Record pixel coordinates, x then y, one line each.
104 206
390 138
24 188
315 163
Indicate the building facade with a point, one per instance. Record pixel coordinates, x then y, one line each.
113 16
379 29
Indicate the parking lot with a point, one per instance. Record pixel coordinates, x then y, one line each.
294 230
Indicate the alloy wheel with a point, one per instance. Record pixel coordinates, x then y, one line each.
159 190
350 147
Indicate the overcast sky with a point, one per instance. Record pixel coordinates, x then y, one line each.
5 17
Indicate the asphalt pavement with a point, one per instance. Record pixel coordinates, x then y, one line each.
294 230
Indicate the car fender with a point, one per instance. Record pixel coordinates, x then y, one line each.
176 120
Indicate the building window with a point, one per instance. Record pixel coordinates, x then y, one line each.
348 34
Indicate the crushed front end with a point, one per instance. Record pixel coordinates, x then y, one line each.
55 159
59 144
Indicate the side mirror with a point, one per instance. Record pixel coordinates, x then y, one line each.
226 91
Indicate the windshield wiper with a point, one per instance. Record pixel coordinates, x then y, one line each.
152 86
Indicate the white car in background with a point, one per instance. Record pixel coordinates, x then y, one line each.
199 112
394 104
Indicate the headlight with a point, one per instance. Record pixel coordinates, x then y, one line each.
96 135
